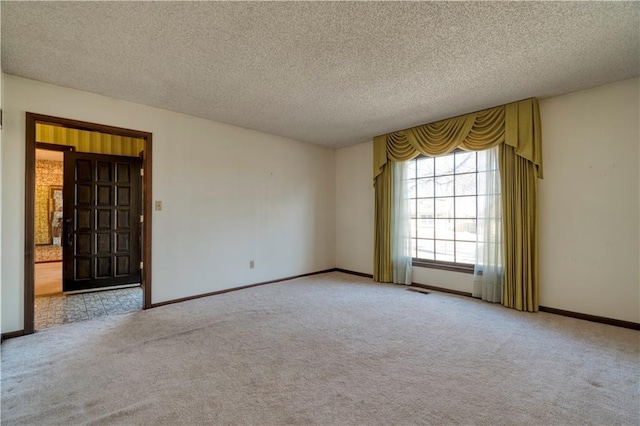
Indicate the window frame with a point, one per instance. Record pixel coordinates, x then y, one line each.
442 264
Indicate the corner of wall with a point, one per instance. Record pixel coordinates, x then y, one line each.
1 179
354 208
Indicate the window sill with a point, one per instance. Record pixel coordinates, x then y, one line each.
465 269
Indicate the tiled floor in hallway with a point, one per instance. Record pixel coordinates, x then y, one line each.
60 309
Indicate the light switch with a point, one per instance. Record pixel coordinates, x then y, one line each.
158 205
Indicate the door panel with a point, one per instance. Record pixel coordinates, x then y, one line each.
102 197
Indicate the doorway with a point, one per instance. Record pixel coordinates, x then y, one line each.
48 218
101 241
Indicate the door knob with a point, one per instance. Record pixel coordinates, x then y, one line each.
68 235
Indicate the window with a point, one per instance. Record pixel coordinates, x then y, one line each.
443 198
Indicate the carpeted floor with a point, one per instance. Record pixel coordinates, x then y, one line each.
327 349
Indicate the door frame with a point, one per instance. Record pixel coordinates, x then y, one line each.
30 195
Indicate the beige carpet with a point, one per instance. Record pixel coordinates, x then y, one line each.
328 349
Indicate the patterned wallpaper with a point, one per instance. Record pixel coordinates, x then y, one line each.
48 254
48 174
85 141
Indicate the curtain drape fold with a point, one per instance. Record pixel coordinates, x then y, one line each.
519 185
401 226
488 274
515 126
382 271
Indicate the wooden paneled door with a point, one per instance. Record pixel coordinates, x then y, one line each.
101 214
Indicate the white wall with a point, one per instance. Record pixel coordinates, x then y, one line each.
589 202
589 206
1 103
229 195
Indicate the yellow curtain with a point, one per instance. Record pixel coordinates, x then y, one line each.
92 142
519 185
382 270
515 125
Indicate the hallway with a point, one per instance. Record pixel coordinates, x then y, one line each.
48 278
52 307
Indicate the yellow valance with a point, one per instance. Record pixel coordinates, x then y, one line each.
516 124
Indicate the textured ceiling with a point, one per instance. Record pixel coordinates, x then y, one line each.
331 73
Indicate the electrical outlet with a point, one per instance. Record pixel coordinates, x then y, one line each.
251 264
158 205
